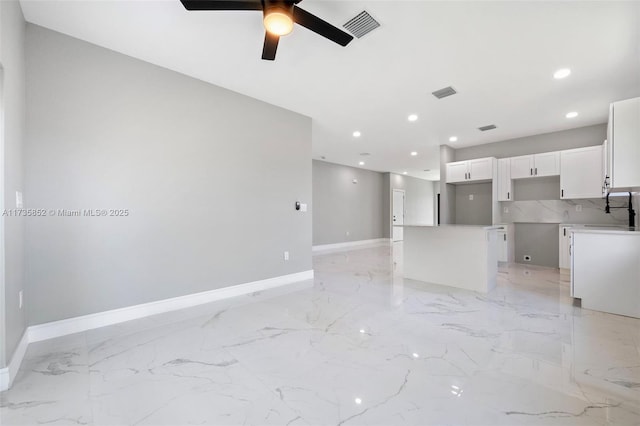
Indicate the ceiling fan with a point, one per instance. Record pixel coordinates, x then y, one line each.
279 16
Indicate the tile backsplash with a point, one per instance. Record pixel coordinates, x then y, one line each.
564 211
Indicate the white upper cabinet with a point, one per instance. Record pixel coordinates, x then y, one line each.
581 173
536 165
522 167
624 144
546 164
479 169
457 172
505 192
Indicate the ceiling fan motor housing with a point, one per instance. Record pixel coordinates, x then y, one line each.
281 6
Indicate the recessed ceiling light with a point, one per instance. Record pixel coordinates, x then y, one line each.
412 117
453 139
361 163
561 73
404 173
413 153
572 114
358 401
357 134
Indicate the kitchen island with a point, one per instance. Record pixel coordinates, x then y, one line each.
461 256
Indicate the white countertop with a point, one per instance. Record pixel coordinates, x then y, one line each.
606 230
453 226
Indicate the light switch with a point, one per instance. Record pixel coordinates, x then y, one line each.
303 207
19 203
578 207
470 197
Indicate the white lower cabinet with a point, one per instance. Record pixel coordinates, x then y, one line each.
503 246
564 261
605 271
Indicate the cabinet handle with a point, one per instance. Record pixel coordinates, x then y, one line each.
536 171
505 237
469 175
562 193
565 231
531 172
508 195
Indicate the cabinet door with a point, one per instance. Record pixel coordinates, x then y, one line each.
522 167
504 179
546 164
481 169
581 173
457 172
503 247
563 261
625 140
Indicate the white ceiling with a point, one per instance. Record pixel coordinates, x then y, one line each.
500 56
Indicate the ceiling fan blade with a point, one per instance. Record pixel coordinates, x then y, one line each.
222 4
321 27
270 46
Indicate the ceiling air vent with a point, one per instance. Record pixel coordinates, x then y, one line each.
361 24
489 127
443 93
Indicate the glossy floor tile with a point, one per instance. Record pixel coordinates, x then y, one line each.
358 346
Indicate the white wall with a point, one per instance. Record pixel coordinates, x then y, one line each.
210 179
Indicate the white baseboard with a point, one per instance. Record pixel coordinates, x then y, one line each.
349 244
50 330
9 373
116 316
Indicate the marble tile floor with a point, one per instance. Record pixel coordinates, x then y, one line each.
359 345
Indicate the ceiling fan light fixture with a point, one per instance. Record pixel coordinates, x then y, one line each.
278 22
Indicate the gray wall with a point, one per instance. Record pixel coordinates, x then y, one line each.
547 142
418 199
540 241
340 206
210 178
12 29
477 211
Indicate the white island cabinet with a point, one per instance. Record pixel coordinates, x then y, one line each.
605 270
462 256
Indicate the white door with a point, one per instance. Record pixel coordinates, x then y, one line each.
547 164
457 171
481 169
522 167
398 214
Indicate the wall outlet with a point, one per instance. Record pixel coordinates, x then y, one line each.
286 255
506 209
527 258
19 202
303 207
20 299
578 207
470 197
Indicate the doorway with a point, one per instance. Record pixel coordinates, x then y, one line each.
398 215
